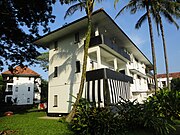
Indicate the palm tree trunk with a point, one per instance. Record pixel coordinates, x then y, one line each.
83 76
152 47
165 54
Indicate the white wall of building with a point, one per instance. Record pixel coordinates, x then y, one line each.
22 90
67 81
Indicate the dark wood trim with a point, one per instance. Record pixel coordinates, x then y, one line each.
107 74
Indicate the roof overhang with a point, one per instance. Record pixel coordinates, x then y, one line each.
106 26
138 73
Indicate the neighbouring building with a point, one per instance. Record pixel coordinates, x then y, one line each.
115 66
22 86
162 80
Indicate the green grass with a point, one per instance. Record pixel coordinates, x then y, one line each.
30 124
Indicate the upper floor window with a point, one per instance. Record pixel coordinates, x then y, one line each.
56 45
77 37
9 88
55 71
29 78
17 78
16 89
78 66
29 88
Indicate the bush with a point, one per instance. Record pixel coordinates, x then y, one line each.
122 118
94 121
175 84
165 104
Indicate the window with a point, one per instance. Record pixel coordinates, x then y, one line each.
29 88
56 45
164 83
29 78
55 100
28 100
16 89
77 37
17 78
78 66
55 71
122 71
9 88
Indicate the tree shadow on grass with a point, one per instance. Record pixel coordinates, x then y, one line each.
16 109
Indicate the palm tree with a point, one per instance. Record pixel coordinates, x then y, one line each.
138 5
88 6
168 9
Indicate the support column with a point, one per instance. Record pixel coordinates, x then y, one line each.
96 31
115 64
98 58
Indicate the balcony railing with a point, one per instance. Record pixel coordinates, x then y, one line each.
8 81
8 92
104 40
105 73
105 87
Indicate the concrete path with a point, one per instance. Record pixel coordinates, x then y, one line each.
50 118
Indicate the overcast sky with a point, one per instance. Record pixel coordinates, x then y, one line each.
140 37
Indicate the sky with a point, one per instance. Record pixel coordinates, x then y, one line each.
127 22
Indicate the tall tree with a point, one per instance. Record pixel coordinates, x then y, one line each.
21 21
169 10
43 60
138 5
88 6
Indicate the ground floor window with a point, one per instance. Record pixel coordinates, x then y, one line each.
55 100
28 100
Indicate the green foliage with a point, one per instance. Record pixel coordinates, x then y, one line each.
175 84
43 60
16 44
2 88
44 90
94 121
165 104
121 119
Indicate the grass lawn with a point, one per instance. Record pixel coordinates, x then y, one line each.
30 124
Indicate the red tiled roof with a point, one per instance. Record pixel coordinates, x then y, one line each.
173 75
18 70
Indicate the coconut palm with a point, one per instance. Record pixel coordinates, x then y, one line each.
138 5
168 9
88 6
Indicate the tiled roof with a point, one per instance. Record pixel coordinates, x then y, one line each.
21 71
173 75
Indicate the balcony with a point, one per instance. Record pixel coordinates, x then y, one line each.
104 40
9 81
8 92
105 73
105 87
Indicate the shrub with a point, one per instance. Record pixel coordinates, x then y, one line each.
165 104
122 118
94 121
175 84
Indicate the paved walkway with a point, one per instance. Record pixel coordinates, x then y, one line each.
52 118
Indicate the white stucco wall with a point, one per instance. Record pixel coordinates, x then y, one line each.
21 91
67 81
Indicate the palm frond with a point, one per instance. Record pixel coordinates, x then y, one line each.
79 6
115 3
141 20
168 16
156 17
130 5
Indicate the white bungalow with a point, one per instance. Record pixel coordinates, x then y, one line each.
115 67
22 86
